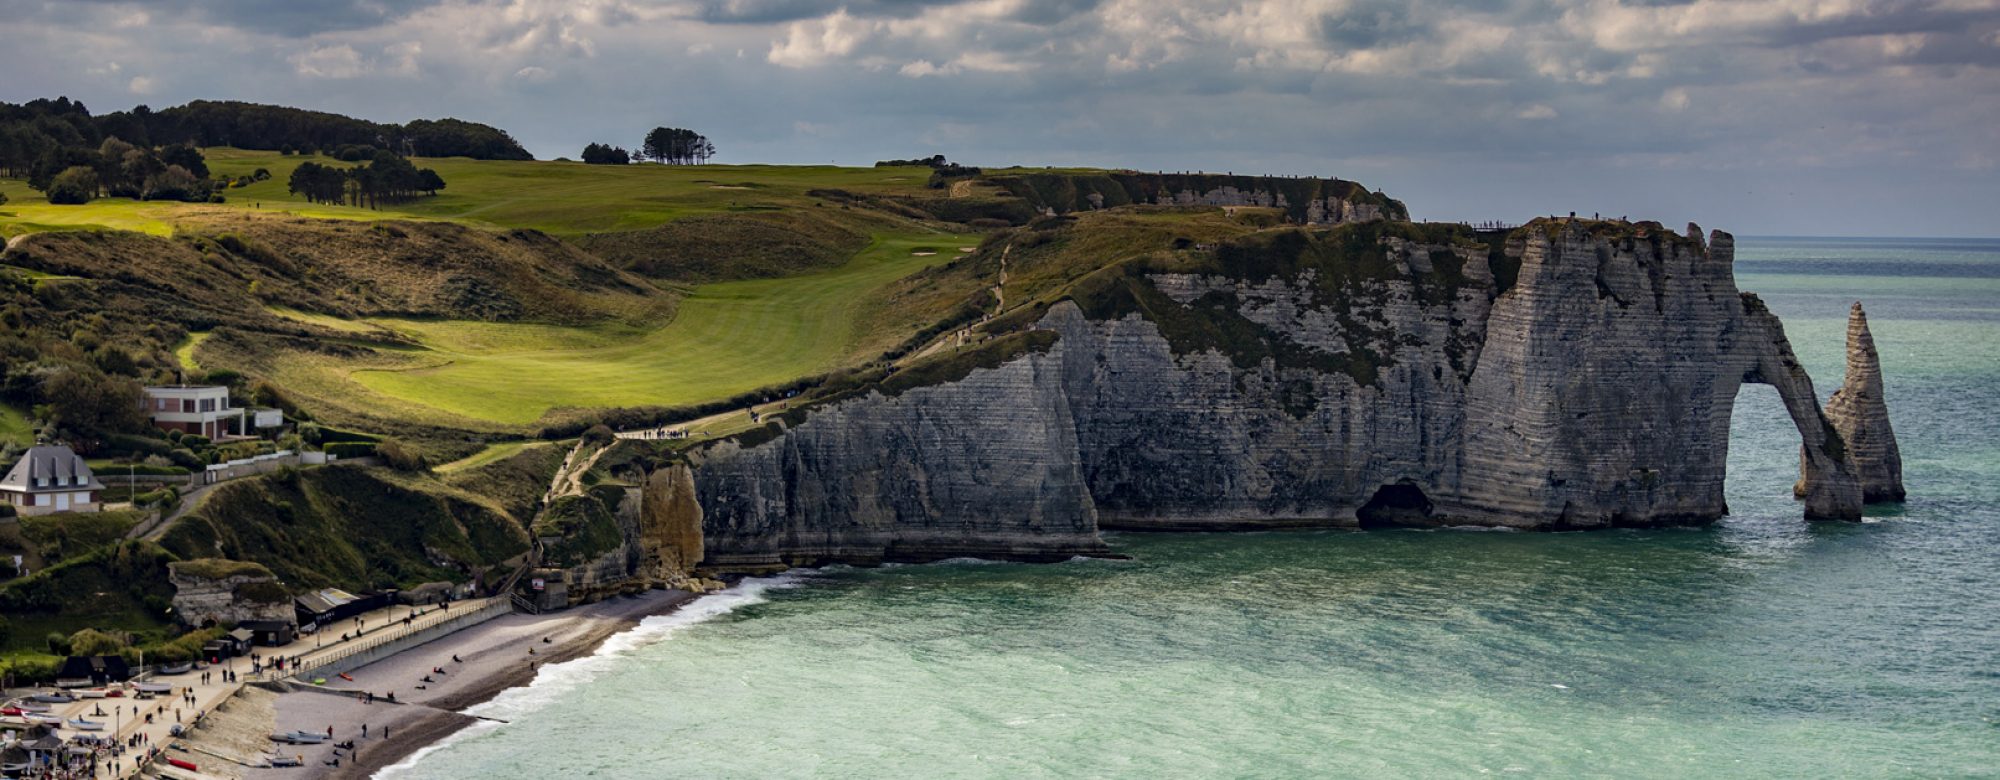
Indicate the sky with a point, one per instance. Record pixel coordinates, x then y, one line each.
1762 117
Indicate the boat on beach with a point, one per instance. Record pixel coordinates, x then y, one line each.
298 737
177 668
53 697
80 724
155 688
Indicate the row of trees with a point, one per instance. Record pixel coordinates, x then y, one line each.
667 145
676 146
606 154
386 179
79 174
63 122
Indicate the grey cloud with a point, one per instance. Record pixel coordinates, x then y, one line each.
291 18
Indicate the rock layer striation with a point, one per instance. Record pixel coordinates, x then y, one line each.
1569 375
1861 416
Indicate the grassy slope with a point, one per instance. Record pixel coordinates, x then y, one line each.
728 338
14 426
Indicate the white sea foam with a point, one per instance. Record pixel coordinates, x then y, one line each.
554 680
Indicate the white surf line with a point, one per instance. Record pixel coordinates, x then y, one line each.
554 680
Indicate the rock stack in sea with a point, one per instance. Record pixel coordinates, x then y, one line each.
1861 416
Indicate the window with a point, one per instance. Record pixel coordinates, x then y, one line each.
208 404
187 405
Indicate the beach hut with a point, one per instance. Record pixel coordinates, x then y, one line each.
269 633
87 670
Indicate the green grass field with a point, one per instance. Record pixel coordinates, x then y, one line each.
564 198
727 338
14 426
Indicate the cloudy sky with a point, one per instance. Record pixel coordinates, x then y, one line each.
1835 117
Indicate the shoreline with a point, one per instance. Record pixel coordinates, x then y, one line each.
492 657
450 717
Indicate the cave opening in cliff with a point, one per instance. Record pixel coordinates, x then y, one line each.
1396 505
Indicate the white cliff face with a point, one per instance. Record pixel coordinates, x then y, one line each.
984 466
1593 391
1861 416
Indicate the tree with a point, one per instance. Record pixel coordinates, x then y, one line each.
676 146
187 157
89 401
175 183
605 154
658 143
75 185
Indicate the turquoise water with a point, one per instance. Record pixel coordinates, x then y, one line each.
1761 647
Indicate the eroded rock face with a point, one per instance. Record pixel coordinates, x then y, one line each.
1592 388
234 598
670 542
1861 416
986 466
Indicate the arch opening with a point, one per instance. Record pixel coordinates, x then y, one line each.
1394 506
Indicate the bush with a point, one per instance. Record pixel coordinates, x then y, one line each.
599 434
6 510
74 186
57 643
91 641
399 457
194 442
30 670
185 458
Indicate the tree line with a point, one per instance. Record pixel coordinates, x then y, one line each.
385 179
665 145
27 130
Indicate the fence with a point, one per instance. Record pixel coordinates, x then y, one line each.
354 653
243 467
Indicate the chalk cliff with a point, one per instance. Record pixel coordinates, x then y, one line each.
1570 374
1861 416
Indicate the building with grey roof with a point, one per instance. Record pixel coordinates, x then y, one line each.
50 478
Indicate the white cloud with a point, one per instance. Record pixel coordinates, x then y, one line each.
140 85
816 42
533 74
1675 99
1537 111
329 62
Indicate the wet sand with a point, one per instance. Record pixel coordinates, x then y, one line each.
492 657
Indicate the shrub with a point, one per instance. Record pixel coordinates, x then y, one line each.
91 641
30 669
57 643
399 457
185 458
599 434
194 442
74 186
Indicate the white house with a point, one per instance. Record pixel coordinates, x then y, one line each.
50 478
198 409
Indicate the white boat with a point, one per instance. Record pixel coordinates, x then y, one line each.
281 761
91 693
28 706
52 697
46 720
298 737
177 668
85 725
152 687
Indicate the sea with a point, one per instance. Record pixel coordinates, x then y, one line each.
1760 647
